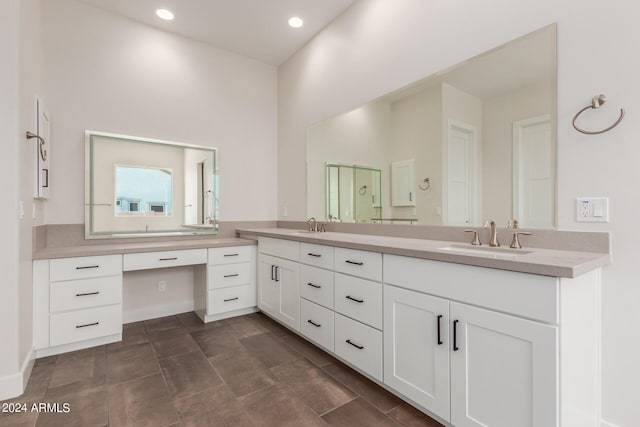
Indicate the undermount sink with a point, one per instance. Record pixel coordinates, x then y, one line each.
303 232
485 251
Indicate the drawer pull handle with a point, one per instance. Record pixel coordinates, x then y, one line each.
354 262
455 336
317 325
359 347
231 299
439 339
313 285
314 255
277 273
273 274
169 259
87 294
231 275
230 254
87 267
354 299
88 324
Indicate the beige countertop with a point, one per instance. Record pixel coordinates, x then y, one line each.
124 248
547 262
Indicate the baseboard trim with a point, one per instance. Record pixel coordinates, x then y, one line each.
50 351
146 313
206 318
13 385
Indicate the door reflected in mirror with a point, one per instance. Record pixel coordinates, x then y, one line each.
139 186
353 193
474 142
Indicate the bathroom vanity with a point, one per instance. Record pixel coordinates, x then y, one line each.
78 290
474 336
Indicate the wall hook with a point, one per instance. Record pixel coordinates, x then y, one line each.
425 184
596 102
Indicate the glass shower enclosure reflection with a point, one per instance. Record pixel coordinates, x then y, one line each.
353 193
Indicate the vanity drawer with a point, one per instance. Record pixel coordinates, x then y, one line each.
359 299
79 294
316 323
149 260
359 345
317 255
85 267
230 255
224 276
363 264
316 285
86 324
229 299
279 247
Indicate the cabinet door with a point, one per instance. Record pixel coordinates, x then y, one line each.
416 348
402 183
504 370
287 279
267 286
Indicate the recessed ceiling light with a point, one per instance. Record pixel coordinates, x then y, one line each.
295 22
165 14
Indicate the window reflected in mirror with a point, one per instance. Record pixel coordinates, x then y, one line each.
143 191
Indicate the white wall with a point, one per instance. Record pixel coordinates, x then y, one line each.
359 137
416 123
110 74
377 46
19 83
499 113
9 172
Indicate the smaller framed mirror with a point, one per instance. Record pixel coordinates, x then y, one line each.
145 187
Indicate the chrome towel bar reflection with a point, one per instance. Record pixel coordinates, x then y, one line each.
596 102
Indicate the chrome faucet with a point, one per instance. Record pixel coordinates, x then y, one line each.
493 239
313 224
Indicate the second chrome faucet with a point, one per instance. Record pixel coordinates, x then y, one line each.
493 238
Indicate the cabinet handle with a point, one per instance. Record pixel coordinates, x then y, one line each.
354 262
88 324
359 347
273 274
410 196
317 325
231 275
314 255
354 299
230 255
88 266
314 285
455 336
231 299
169 259
87 294
277 273
439 318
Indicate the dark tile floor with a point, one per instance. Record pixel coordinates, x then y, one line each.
176 371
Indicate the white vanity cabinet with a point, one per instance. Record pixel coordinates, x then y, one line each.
77 303
416 347
230 283
511 339
471 345
279 280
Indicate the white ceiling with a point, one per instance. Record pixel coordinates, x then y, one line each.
254 28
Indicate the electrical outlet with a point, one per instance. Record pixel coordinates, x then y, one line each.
592 209
162 286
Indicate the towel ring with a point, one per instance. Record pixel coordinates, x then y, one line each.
596 102
363 190
425 185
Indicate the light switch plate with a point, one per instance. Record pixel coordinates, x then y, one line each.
592 209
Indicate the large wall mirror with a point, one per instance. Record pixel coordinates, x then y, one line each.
145 187
474 142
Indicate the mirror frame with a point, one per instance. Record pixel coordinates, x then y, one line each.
89 202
